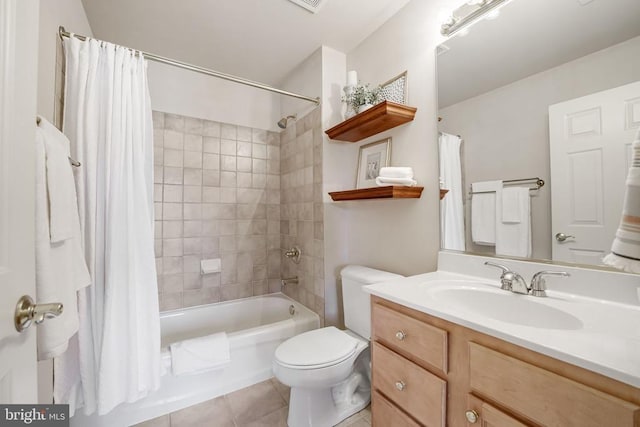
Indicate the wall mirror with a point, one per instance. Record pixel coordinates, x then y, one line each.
549 90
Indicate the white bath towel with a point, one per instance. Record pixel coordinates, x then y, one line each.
407 182
396 172
483 211
60 266
200 354
513 238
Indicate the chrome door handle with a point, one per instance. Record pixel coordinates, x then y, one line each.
28 312
561 237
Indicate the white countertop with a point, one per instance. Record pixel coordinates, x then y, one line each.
607 341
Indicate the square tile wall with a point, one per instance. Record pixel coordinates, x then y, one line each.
217 195
301 208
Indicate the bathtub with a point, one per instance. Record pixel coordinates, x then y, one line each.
255 327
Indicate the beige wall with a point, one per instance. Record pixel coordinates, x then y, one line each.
70 14
506 131
400 236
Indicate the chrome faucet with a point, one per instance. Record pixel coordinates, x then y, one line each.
539 285
510 280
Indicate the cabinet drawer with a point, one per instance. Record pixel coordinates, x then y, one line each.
414 389
410 337
385 414
542 396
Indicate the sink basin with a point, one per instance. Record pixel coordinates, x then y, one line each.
503 306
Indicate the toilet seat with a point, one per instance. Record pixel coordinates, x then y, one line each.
316 349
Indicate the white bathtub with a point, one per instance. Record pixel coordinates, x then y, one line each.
255 327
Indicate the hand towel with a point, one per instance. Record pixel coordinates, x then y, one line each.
60 266
511 213
396 172
200 354
625 250
62 197
483 211
407 182
514 238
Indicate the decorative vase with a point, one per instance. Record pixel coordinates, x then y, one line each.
349 113
364 107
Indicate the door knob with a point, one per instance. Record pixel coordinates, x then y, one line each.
561 237
28 311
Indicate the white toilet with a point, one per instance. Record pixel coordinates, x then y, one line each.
329 370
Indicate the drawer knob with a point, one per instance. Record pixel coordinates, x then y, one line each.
400 385
472 416
401 335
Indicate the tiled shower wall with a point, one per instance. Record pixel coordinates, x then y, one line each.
301 222
217 195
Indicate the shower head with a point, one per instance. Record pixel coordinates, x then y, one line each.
282 124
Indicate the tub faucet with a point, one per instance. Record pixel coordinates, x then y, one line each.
289 281
510 280
539 285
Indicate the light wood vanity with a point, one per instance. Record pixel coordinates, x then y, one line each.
430 372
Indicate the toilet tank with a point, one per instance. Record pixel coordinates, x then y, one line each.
355 301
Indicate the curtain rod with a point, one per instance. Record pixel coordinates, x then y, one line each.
157 58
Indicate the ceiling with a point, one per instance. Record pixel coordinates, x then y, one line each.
528 37
260 40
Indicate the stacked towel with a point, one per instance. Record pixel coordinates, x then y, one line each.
200 354
396 176
483 211
625 250
60 266
513 225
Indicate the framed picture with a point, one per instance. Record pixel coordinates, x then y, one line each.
395 90
371 158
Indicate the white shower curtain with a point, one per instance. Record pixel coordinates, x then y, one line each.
451 207
107 118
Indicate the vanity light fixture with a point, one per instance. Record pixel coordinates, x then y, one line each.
469 13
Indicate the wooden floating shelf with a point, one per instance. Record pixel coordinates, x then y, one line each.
388 192
376 119
442 193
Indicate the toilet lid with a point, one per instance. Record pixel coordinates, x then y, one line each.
316 348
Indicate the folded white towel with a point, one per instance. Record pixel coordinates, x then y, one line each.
514 238
396 172
407 182
200 354
483 211
511 212
60 265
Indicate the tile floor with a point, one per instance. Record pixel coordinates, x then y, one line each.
262 405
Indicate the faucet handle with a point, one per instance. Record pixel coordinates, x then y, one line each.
539 284
505 277
493 264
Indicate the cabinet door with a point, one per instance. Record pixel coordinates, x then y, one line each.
489 416
544 397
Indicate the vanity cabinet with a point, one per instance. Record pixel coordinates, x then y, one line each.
430 372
